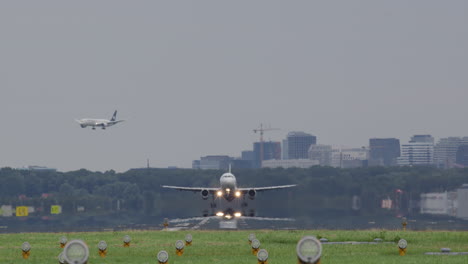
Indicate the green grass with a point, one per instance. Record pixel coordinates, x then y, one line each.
211 247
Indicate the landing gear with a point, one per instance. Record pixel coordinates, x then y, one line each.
103 127
94 128
213 205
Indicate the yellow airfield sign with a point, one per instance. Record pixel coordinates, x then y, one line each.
22 211
55 209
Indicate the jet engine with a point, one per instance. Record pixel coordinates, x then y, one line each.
204 194
252 193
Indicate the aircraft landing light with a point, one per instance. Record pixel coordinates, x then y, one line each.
238 194
219 193
237 214
219 214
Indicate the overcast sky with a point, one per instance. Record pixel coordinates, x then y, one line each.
193 78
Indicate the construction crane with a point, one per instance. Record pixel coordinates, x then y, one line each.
262 130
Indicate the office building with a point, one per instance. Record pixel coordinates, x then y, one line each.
383 151
445 151
418 152
349 157
291 163
271 150
321 153
462 156
299 144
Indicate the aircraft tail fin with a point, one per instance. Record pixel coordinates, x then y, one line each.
229 167
114 116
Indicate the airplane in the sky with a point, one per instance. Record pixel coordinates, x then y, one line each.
228 189
102 123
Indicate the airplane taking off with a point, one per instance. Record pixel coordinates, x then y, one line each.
228 189
102 123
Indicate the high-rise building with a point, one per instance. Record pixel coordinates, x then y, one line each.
383 151
349 157
216 162
462 155
299 144
445 151
271 151
418 152
321 153
284 154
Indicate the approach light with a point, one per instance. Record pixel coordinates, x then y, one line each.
61 258
262 256
63 241
26 247
179 245
237 214
219 193
219 214
402 244
102 246
237 193
309 250
228 216
251 237
163 257
166 223
127 239
228 190
76 252
188 240
255 246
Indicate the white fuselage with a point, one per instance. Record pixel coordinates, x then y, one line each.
94 122
228 185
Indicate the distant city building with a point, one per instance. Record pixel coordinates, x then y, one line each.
321 153
247 155
383 151
462 202
445 151
291 163
349 157
271 150
462 156
418 152
284 154
299 144
217 162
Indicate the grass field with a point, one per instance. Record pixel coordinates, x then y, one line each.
211 247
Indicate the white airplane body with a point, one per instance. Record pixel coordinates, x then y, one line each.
228 189
102 123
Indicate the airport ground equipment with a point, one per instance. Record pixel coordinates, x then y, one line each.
179 245
262 256
255 246
402 244
127 239
76 252
163 257
404 223
63 241
188 240
102 247
26 250
309 250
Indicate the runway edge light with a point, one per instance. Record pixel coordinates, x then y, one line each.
102 247
26 249
262 256
251 237
179 245
255 246
76 252
188 240
63 241
402 244
61 258
309 250
163 257
127 239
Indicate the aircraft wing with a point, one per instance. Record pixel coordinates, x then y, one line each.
114 122
261 189
192 189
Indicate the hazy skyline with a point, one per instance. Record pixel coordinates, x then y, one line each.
194 78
